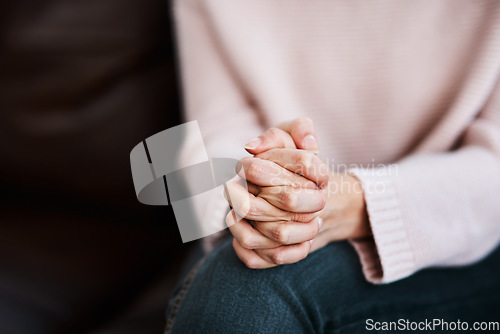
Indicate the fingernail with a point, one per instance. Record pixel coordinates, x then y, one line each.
320 222
252 144
310 143
311 241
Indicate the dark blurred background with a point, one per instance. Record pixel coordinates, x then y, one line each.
81 83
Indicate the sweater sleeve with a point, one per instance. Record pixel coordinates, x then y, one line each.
435 209
214 95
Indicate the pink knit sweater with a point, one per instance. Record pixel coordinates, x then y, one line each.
414 84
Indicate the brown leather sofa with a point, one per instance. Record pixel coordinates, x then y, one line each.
81 83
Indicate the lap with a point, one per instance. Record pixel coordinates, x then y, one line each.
326 292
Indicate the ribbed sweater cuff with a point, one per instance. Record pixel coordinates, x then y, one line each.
387 256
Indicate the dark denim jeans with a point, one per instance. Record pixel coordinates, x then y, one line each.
327 293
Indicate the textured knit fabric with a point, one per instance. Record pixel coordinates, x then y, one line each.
410 83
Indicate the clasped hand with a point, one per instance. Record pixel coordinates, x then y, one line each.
288 208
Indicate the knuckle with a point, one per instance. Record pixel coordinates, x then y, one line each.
280 233
303 254
305 158
302 217
289 199
273 132
254 170
244 208
251 263
241 163
278 256
253 212
247 242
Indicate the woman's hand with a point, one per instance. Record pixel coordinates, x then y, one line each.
343 212
280 208
290 193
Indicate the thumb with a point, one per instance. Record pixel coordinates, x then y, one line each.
302 132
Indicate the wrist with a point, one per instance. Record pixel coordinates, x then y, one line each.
345 210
